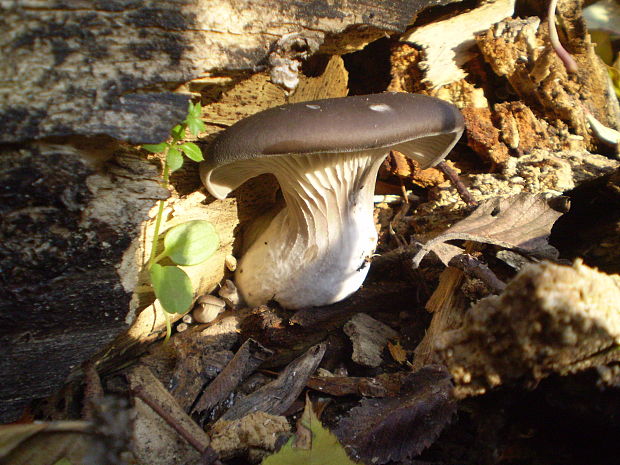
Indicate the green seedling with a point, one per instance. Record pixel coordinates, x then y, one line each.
186 244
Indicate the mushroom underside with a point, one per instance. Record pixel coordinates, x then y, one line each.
316 250
221 180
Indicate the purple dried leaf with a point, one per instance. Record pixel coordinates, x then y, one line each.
374 431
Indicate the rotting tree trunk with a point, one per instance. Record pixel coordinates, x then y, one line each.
79 79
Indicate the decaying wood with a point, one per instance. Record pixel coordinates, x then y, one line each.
276 397
445 53
552 105
549 319
68 221
247 359
519 50
448 306
111 68
255 434
369 338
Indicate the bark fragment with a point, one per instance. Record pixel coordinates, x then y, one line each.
550 319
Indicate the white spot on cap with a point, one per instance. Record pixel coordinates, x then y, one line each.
314 107
380 107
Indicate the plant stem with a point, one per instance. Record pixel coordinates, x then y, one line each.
160 212
168 326
153 257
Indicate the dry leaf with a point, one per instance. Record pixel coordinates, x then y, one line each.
318 445
374 429
397 352
384 385
522 222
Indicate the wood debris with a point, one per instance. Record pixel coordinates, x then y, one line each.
369 338
550 319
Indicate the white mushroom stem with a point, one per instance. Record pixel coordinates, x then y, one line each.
316 250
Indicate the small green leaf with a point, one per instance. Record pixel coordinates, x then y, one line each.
177 132
174 159
192 151
155 148
195 125
196 111
191 243
173 288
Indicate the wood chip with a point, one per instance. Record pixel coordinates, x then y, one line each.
369 338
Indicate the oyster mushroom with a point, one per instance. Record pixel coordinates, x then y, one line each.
325 154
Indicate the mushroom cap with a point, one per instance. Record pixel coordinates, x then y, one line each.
337 125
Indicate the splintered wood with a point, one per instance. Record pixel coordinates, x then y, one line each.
446 52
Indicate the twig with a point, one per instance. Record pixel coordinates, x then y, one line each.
474 267
207 453
569 62
457 183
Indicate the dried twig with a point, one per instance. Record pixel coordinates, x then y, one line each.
474 267
209 456
457 183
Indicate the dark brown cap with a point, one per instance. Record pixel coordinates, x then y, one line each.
351 124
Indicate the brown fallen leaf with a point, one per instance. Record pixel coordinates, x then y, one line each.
381 430
249 356
522 222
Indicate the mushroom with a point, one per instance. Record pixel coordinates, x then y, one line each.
208 308
325 154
